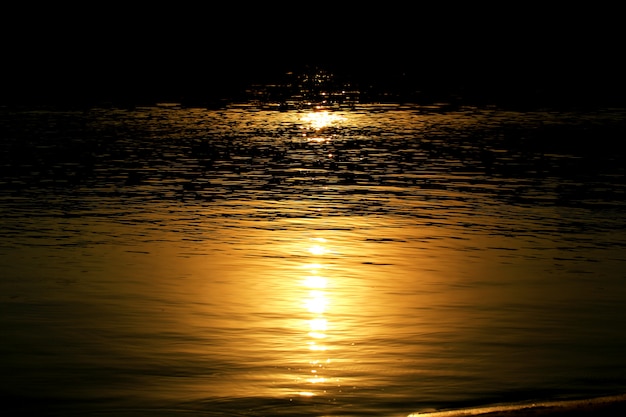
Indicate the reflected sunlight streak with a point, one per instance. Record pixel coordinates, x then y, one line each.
313 267
315 281
316 302
317 250
315 346
321 119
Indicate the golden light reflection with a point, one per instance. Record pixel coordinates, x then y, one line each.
321 119
317 250
315 281
318 327
315 346
316 303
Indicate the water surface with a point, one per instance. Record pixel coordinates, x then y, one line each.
351 261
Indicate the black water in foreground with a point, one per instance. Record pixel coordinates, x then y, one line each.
343 261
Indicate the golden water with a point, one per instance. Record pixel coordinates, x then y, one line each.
378 260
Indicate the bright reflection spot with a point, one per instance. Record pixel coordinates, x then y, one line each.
318 139
317 250
317 302
315 346
321 119
306 394
318 324
315 281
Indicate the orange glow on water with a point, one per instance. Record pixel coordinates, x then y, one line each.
316 301
315 281
317 250
212 267
315 346
321 119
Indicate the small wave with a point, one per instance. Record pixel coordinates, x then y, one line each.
579 407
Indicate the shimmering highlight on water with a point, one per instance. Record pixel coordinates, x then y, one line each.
375 260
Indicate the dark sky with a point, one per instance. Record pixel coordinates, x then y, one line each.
211 49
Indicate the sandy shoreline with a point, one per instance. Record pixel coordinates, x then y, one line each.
614 405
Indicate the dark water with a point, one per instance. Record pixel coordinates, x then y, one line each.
367 260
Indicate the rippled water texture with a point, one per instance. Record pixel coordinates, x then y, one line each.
373 260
